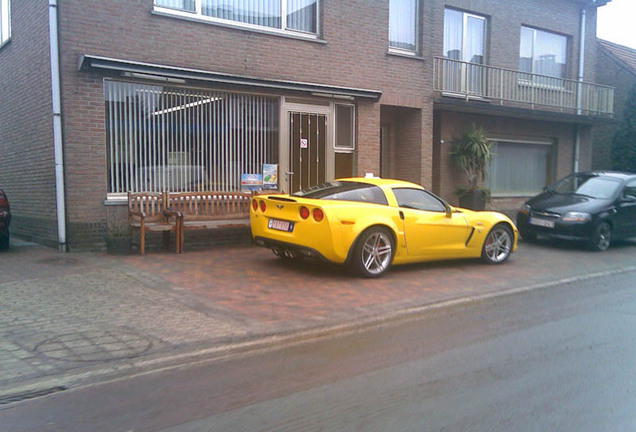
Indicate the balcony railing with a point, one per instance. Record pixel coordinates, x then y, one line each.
520 89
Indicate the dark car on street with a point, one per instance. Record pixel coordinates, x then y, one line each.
5 220
595 207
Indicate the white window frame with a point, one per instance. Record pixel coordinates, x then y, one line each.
344 149
197 15
5 21
399 50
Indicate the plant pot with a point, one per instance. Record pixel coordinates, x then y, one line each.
473 200
118 245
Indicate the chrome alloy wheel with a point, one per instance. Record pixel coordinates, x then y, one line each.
374 253
602 237
498 245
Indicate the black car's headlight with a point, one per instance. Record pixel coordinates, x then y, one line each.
525 209
576 217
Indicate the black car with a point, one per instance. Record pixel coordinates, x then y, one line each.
596 207
5 220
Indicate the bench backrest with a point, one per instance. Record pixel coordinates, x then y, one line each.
210 205
151 204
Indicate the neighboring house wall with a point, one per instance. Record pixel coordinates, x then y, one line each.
27 174
614 72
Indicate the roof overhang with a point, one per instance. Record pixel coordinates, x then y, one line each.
176 74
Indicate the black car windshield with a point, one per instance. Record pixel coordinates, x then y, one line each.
345 191
589 185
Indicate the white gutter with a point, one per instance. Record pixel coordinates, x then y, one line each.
58 142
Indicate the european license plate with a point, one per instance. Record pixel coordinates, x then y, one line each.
280 225
542 222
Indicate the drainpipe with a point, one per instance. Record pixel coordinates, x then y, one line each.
579 90
58 143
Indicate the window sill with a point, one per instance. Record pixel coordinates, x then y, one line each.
237 26
404 54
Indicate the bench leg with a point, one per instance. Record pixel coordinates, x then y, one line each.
166 239
142 242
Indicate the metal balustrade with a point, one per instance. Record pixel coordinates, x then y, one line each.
473 81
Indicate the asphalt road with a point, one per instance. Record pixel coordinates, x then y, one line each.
554 359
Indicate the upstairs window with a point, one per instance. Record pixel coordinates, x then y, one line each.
285 15
5 21
403 25
464 36
542 53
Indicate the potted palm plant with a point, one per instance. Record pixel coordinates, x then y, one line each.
472 152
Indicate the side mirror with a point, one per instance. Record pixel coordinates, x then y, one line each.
449 211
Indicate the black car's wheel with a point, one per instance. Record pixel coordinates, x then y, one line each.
601 238
373 252
4 241
498 245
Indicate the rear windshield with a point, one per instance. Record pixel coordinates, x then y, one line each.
345 191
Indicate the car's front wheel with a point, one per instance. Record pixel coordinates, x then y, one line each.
373 252
498 245
601 237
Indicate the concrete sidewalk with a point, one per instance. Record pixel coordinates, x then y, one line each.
75 318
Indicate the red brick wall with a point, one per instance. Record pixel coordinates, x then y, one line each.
352 52
27 172
451 124
612 72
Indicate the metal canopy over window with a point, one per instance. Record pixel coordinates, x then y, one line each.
182 75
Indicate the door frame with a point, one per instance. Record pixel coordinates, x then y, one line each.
290 105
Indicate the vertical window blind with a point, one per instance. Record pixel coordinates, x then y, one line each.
296 15
162 138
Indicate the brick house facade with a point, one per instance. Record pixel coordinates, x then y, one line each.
404 113
616 66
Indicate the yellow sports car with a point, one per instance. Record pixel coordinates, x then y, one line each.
371 223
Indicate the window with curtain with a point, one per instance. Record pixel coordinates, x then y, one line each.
519 169
464 36
464 41
542 53
163 138
403 17
288 15
5 21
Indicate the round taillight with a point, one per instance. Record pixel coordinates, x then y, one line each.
254 205
262 205
304 212
318 215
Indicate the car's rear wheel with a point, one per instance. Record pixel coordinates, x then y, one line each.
373 252
601 237
498 245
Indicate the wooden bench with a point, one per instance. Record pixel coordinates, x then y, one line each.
148 212
209 210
